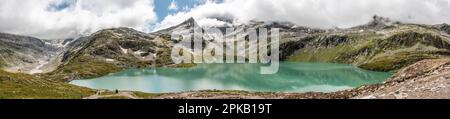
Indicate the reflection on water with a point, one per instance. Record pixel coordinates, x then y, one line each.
292 77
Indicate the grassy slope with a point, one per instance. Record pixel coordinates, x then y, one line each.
20 86
357 43
24 86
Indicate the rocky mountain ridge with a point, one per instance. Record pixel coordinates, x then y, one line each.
381 45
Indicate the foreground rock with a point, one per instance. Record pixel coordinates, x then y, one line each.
425 79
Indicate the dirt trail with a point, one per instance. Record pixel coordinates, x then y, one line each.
98 95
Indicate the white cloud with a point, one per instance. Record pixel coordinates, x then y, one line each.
173 5
80 17
37 18
317 13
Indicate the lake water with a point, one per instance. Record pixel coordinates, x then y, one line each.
292 77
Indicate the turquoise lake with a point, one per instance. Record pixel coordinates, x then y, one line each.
291 77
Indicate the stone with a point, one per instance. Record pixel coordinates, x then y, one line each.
369 97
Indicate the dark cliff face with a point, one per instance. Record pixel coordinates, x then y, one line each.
445 28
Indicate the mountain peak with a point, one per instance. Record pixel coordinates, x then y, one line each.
191 19
191 22
187 24
378 22
443 27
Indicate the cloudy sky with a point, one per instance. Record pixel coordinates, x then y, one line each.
71 18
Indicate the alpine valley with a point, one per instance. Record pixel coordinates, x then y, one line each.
417 54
